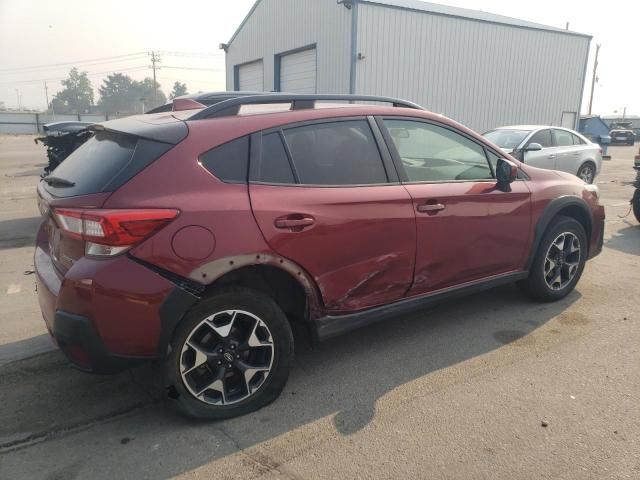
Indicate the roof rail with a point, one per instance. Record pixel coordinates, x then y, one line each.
298 102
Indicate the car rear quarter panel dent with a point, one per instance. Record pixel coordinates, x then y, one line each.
209 272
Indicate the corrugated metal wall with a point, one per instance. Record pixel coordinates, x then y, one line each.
277 26
481 74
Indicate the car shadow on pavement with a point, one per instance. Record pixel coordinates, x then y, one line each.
19 232
626 240
340 381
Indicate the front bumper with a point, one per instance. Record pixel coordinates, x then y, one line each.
597 233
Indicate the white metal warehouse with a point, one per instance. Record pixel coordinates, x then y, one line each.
481 69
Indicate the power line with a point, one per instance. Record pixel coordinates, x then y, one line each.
76 62
196 68
89 74
81 67
192 54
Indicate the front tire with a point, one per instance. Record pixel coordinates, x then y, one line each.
635 201
231 355
559 261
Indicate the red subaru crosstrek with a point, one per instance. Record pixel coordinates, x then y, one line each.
197 237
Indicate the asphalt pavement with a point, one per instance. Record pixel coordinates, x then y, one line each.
490 387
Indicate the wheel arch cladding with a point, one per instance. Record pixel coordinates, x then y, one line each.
572 207
271 274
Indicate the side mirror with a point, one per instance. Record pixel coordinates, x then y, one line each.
533 147
506 172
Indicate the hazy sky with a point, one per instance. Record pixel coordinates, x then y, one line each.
44 32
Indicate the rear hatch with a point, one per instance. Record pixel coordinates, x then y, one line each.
71 197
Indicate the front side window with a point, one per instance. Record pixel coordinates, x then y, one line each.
543 137
507 138
563 138
430 153
336 153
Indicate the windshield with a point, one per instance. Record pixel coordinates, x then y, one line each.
506 137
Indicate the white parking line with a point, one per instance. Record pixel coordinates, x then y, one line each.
14 288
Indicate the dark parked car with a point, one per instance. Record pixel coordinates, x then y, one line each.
622 136
198 239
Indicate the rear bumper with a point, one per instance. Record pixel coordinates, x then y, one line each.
106 315
78 339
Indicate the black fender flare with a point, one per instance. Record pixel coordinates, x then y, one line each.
553 208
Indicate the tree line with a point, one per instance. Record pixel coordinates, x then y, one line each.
119 94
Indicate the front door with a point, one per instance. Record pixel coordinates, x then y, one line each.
545 158
467 228
322 198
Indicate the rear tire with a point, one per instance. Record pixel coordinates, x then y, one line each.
230 355
559 261
587 172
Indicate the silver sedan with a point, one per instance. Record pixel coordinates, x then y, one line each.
553 148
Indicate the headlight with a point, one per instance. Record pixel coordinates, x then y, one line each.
593 189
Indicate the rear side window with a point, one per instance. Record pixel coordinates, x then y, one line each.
104 163
275 166
563 138
336 153
228 162
577 140
543 137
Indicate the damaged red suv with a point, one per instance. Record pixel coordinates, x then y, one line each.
196 238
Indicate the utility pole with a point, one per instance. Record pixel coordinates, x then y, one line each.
18 98
46 94
155 58
595 78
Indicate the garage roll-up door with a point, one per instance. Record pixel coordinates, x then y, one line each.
250 77
298 72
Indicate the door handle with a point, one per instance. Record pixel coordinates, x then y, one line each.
294 222
430 207
552 156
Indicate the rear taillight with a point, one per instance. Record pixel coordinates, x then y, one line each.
109 232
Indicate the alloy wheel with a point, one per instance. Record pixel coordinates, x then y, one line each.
562 261
227 357
586 174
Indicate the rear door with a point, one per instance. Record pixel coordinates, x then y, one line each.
567 154
326 196
467 229
581 152
545 158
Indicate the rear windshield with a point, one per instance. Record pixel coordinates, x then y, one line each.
104 163
507 138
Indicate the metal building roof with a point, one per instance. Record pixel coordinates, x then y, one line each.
479 15
446 10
